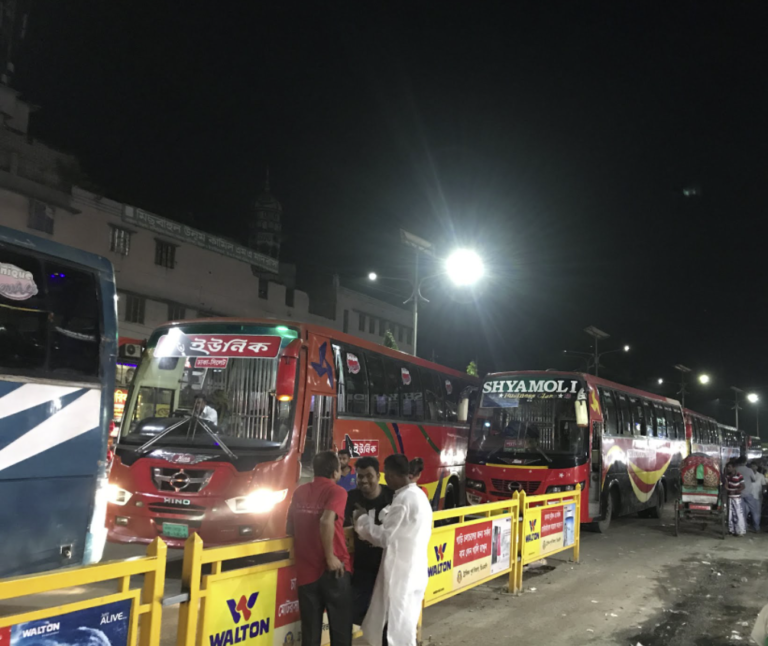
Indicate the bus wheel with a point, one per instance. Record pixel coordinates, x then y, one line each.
450 497
658 503
601 526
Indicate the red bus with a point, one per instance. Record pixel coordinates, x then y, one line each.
275 393
543 432
706 435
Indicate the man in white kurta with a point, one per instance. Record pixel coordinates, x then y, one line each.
402 579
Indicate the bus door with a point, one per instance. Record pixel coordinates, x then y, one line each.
596 470
321 391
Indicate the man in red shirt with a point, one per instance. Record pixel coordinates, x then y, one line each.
323 569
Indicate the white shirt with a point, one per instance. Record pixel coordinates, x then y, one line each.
402 580
210 415
757 486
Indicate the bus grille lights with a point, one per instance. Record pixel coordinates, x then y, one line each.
284 398
260 501
570 487
117 496
478 485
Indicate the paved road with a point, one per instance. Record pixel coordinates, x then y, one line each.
638 584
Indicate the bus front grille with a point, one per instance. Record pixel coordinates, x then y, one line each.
505 487
180 480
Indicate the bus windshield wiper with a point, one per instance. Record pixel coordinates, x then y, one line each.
197 419
546 457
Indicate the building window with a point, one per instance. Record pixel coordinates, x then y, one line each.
263 288
361 322
40 216
400 330
346 321
382 327
134 309
120 241
165 254
372 325
409 339
176 312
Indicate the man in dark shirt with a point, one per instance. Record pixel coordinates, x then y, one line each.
367 559
315 519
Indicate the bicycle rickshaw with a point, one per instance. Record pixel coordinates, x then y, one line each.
702 496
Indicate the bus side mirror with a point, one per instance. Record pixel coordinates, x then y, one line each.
285 384
463 412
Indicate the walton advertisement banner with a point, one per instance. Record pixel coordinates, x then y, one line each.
104 625
548 529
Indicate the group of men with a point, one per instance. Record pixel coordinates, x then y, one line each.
383 589
745 484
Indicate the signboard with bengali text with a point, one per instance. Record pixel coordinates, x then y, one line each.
548 529
243 346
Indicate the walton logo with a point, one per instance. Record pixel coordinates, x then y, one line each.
442 564
241 609
243 606
533 535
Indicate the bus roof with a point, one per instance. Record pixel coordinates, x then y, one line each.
590 379
55 249
306 328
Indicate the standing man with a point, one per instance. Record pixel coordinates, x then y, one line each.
371 496
734 483
751 504
348 480
404 534
315 520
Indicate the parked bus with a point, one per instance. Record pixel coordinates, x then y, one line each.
543 432
703 435
58 339
731 443
275 393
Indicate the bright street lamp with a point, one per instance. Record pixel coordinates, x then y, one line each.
373 276
464 267
660 381
626 348
752 398
703 379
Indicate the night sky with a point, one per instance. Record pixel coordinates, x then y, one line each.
558 139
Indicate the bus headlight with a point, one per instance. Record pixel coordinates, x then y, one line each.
554 489
477 485
117 495
257 502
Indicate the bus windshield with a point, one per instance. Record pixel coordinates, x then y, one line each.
210 385
533 422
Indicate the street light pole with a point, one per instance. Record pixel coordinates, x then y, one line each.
753 398
683 370
736 406
596 334
416 295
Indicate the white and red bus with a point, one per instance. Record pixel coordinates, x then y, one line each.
275 393
543 432
754 447
707 435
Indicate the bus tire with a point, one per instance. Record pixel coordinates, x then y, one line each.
451 500
658 503
611 505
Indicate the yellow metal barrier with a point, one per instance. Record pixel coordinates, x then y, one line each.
550 523
138 610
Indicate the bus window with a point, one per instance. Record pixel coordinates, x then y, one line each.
411 395
679 423
697 435
377 389
609 412
450 389
75 330
661 421
435 408
649 419
394 381
351 381
24 320
625 424
671 429
153 402
637 426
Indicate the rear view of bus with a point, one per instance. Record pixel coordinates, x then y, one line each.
58 339
530 433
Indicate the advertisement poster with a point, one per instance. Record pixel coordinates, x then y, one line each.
551 530
501 541
105 625
570 524
532 534
440 564
548 530
472 554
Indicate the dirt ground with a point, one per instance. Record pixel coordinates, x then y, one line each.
636 585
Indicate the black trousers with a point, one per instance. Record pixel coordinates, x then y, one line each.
362 592
333 595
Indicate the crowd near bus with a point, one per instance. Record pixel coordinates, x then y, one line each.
225 416
58 340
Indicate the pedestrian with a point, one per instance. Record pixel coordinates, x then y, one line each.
323 569
372 496
348 480
734 483
415 469
404 534
758 487
750 502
